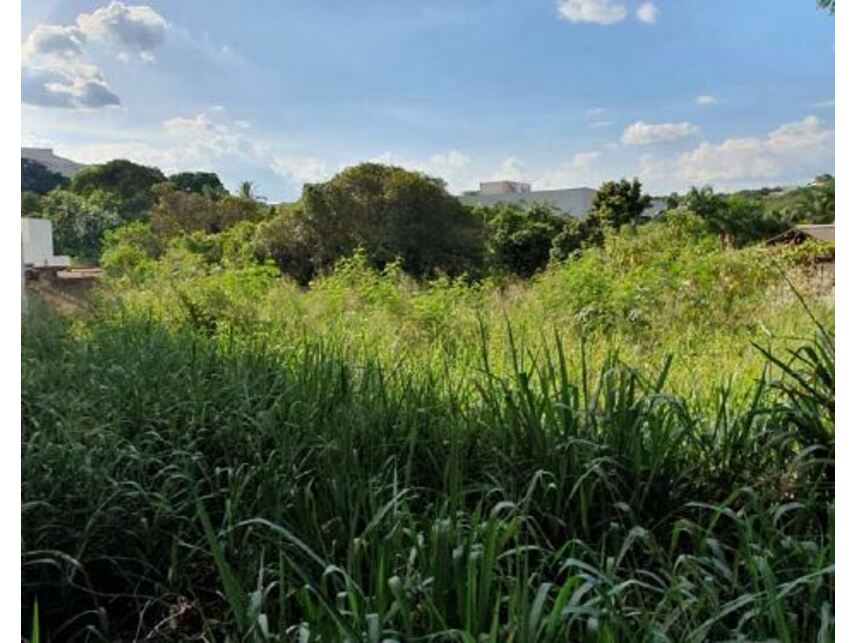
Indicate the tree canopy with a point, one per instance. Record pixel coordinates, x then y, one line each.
206 183
519 238
127 185
619 203
389 212
37 178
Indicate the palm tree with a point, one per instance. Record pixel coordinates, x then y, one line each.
245 190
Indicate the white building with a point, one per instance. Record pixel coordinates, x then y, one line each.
37 245
572 201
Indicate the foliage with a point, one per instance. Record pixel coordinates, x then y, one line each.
738 219
817 203
78 223
519 238
576 235
181 482
31 204
205 183
130 250
618 203
177 211
37 178
389 212
127 183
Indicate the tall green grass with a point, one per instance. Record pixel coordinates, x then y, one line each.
185 479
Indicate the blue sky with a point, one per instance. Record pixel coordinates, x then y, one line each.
560 93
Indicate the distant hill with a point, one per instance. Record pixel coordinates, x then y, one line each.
46 157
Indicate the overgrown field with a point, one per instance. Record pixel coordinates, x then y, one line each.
638 444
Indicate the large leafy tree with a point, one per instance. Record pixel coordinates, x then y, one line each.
125 185
389 212
519 238
37 178
619 203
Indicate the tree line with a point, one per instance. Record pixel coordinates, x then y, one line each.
123 212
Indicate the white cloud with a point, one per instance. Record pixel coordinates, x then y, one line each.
55 71
194 126
705 99
600 123
580 170
54 41
641 133
511 169
825 104
647 13
66 85
602 12
130 30
301 170
452 166
792 150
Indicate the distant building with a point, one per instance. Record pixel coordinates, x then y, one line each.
45 156
572 201
503 187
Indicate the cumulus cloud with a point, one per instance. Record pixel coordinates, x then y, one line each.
54 41
135 30
802 147
641 133
647 13
70 86
55 69
511 169
602 12
705 99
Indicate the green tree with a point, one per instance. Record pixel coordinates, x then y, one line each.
519 238
817 203
290 243
129 250
737 219
576 235
247 192
619 203
176 211
31 204
37 178
128 184
78 225
389 212
205 183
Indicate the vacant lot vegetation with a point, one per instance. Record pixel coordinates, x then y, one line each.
637 444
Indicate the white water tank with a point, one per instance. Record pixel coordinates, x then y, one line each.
37 243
